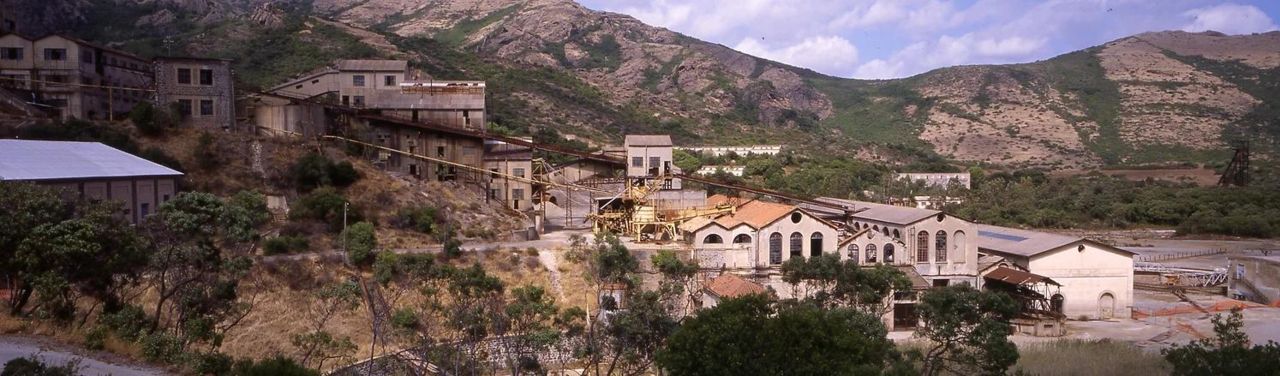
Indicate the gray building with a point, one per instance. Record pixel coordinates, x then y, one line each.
91 170
201 89
74 78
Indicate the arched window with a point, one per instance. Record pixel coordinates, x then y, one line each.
742 239
852 249
797 245
896 234
885 231
888 253
871 253
815 244
940 248
922 246
775 248
712 239
957 246
875 228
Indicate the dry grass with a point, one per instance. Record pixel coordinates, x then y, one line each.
1080 357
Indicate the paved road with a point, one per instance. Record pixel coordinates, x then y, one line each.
13 347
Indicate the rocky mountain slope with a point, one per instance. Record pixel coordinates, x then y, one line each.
1150 98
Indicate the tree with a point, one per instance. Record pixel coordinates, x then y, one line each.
149 120
1227 353
634 335
317 343
26 207
528 327
677 286
830 282
750 336
360 240
969 331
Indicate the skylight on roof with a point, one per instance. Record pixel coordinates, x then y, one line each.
997 235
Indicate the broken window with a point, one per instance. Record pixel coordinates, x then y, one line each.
184 76
206 107
358 100
517 194
941 247
206 77
815 244
518 172
357 80
712 239
871 253
55 54
389 80
888 253
775 248
797 245
10 53
184 107
922 246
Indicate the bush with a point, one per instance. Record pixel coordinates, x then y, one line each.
149 120
160 157
163 348
404 319
314 170
128 323
285 244
34 366
206 153
325 205
418 218
212 363
360 241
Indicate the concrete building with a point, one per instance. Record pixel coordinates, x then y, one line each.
437 142
1254 278
72 76
91 170
938 180
202 90
717 151
388 87
939 246
513 160
650 156
1096 279
758 235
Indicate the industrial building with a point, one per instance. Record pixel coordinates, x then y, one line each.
91 170
74 78
202 90
758 234
513 167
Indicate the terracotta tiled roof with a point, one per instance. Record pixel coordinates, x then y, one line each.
718 199
756 214
731 286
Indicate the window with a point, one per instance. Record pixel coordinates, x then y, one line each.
164 198
439 151
144 209
206 107
389 80
742 239
957 246
357 80
11 53
493 172
184 76
852 252
359 100
654 162
206 77
518 171
941 282
888 253
346 100
896 234
56 54
637 162
940 248
815 244
796 217
797 245
517 194
871 253
712 239
775 248
922 246
184 107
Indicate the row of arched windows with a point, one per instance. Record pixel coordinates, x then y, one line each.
872 254
939 245
796 246
716 239
876 228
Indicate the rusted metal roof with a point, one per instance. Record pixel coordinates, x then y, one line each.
917 281
1018 277
732 286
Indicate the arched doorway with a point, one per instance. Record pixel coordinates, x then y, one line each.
1107 306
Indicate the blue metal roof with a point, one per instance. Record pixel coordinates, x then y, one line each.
51 160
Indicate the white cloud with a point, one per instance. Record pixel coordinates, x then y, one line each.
1011 46
1230 19
827 54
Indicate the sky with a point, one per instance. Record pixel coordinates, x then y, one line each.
877 39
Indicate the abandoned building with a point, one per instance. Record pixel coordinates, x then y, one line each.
716 151
937 180
201 90
508 161
726 286
388 87
91 170
712 170
1096 279
758 234
74 78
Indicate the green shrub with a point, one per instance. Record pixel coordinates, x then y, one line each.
128 323
163 348
274 366
315 170
35 366
404 319
149 120
360 240
212 363
285 244
324 205
418 218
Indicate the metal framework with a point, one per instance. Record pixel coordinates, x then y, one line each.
1237 173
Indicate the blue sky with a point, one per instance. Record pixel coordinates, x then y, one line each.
899 38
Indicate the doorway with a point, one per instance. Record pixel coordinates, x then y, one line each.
904 316
1107 306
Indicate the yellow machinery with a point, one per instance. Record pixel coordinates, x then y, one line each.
632 214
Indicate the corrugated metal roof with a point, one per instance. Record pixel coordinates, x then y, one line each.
648 140
372 65
49 160
901 215
1020 242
